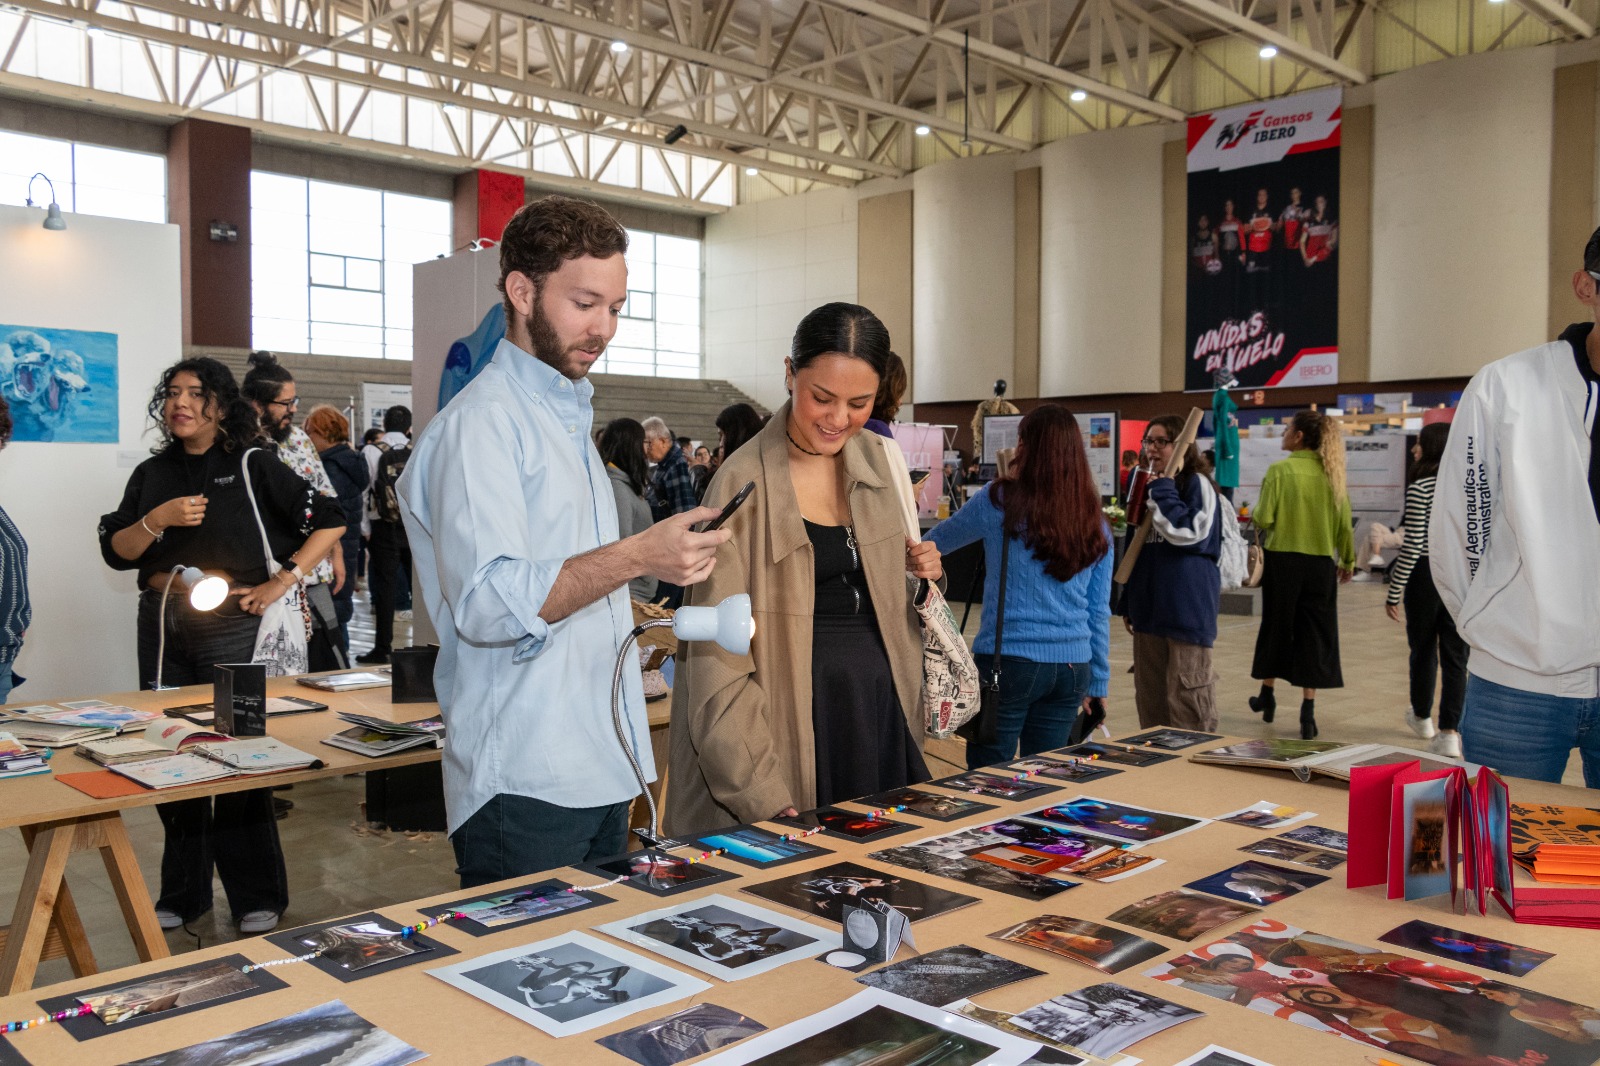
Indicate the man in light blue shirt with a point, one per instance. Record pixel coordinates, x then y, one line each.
513 528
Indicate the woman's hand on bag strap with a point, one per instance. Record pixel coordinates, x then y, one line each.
923 560
258 599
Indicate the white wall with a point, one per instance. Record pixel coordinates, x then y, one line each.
1100 263
964 234
118 277
1461 213
450 296
767 265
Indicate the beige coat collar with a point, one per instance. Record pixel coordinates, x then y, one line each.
786 530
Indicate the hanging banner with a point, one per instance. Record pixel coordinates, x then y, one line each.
1263 278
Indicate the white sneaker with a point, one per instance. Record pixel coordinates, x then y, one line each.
1447 744
167 919
1422 727
1361 575
1376 560
259 922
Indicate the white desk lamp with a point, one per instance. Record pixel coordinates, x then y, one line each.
730 624
205 594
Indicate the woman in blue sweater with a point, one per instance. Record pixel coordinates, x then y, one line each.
1055 645
1174 591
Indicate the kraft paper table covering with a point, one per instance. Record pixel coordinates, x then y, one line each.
41 798
455 1028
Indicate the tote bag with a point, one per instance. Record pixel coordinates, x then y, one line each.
285 624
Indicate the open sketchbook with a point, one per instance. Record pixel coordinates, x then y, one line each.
185 754
1327 757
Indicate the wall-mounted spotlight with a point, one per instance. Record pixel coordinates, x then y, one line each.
676 134
52 215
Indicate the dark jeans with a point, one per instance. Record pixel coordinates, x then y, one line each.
344 601
389 551
234 833
512 836
1038 704
1434 644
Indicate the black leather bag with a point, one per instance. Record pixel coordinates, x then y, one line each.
984 727
412 672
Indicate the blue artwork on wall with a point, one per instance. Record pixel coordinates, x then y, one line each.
471 354
61 384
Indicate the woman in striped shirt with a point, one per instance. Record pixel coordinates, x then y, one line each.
1429 628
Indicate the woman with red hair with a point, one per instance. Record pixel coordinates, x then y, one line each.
1056 639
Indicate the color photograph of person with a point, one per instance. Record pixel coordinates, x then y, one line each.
1257 883
1125 822
1180 914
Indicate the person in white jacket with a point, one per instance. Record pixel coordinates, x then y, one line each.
1515 545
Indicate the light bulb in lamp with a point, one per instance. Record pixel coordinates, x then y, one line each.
729 623
205 593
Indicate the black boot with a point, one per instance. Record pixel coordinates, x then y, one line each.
1266 704
1308 719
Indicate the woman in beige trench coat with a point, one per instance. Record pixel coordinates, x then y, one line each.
822 550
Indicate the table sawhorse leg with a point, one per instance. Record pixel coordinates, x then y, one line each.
44 899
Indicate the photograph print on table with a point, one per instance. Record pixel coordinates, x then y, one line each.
1006 788
1289 851
514 907
1319 837
1168 739
875 1026
696 1030
1100 946
570 983
657 872
939 807
1113 754
127 1004
1510 959
1266 815
360 946
948 975
9 1055
1115 865
1217 1055
328 1032
1103 1019
1181 914
724 937
852 825
1392 1002
956 867
1122 821
825 891
754 846
1066 771
1257 883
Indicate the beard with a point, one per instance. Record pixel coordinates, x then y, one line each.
546 345
278 429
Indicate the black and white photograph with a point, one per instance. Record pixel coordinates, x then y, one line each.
1103 1019
1168 739
724 937
876 1027
328 1032
182 990
824 892
1216 1055
510 908
569 984
657 872
360 946
1006 788
938 807
1289 851
1069 771
696 1030
939 978
1318 837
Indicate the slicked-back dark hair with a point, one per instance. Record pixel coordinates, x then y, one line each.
841 329
265 379
551 230
238 426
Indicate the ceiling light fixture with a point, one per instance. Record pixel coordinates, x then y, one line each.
1079 96
1268 51
619 46
923 131
751 171
676 134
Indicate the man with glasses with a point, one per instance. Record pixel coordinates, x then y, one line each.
270 388
1514 544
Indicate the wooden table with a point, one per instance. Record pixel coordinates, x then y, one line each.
57 820
454 1028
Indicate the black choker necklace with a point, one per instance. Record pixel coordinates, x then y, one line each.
796 443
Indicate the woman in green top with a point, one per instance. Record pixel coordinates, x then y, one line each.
1304 516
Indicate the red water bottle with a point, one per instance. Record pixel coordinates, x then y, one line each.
1138 491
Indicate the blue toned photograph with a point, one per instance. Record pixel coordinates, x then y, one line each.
757 847
61 384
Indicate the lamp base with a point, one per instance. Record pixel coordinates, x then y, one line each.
656 840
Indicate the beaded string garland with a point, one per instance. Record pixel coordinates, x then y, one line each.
409 931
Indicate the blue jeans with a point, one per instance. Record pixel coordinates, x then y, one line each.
1529 734
1038 704
511 836
8 680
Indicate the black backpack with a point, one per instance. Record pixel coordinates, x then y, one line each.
385 501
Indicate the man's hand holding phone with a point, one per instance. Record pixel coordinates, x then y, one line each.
672 551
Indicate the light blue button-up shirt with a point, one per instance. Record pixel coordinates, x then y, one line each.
502 488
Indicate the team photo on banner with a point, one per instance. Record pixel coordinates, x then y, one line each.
1263 280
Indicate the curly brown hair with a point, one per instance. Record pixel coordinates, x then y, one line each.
551 230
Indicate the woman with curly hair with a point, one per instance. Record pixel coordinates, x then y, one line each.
1304 515
187 505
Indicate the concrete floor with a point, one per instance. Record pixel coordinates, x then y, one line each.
339 865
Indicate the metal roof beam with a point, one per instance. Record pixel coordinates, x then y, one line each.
1228 19
1560 16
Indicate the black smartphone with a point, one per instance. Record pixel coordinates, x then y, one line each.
728 509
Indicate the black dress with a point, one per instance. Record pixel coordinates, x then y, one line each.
863 745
